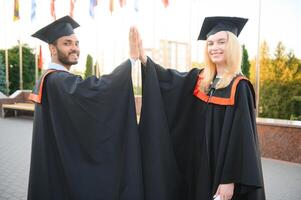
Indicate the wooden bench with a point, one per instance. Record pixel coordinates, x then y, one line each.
16 108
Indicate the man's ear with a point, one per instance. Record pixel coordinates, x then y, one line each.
52 49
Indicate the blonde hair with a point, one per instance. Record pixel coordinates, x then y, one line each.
233 54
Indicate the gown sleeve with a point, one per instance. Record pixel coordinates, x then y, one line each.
162 94
82 108
175 87
85 142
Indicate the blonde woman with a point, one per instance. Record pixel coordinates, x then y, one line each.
209 147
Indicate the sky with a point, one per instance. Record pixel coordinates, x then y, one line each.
106 36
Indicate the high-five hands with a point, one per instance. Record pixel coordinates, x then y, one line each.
136 47
133 42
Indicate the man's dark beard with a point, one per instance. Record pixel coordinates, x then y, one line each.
64 59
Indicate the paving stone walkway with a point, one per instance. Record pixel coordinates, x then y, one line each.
282 179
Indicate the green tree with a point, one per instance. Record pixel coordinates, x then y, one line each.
281 89
296 107
265 64
293 75
264 76
89 66
273 85
293 64
252 70
3 88
245 64
28 67
280 83
279 63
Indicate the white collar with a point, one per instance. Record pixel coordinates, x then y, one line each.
57 67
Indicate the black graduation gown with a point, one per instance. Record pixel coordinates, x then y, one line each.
85 141
201 144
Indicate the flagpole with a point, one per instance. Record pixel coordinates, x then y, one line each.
6 52
95 67
190 37
21 63
36 62
32 18
20 55
6 71
257 81
92 5
19 24
154 26
36 65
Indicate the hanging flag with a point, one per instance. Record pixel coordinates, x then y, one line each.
122 3
72 2
33 10
52 9
165 3
111 6
40 59
93 3
16 10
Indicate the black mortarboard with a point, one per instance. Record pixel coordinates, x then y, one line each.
61 27
212 25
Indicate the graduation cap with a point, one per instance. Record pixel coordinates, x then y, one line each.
212 25
61 27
